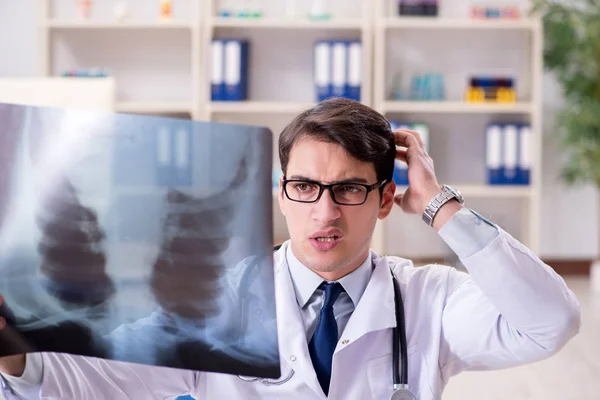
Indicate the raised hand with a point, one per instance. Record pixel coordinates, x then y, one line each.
422 182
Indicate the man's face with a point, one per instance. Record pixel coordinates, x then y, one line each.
350 226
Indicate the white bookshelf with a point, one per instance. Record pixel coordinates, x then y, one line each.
281 78
454 107
283 32
154 107
485 191
390 28
58 24
83 25
258 107
285 23
441 23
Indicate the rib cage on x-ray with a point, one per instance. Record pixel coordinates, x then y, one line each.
72 256
186 274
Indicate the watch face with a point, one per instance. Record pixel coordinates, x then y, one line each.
456 192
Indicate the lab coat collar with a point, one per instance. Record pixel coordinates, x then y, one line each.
375 310
378 295
292 340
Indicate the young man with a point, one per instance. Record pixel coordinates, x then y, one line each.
335 297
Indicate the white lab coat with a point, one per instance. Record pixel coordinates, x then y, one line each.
512 309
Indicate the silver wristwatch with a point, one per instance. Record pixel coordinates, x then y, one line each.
446 194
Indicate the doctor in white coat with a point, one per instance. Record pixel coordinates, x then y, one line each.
335 296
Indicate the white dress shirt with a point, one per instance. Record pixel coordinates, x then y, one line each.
310 298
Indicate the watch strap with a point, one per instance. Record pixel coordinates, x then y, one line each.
445 195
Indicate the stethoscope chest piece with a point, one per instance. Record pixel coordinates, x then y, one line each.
403 394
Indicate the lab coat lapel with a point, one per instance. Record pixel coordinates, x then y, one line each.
292 338
375 310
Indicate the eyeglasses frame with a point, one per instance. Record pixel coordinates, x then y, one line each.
323 187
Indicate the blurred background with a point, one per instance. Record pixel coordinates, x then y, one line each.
506 94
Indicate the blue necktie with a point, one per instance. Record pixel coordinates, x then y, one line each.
322 344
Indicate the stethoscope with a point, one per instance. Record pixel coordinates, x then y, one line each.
399 353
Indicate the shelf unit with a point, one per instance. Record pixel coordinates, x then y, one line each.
284 23
251 107
454 107
49 25
149 107
369 20
455 23
58 25
259 30
528 108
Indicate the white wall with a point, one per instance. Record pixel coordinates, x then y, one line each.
569 215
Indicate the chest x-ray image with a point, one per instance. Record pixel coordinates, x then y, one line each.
137 238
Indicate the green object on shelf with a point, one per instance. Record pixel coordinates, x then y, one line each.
250 14
319 17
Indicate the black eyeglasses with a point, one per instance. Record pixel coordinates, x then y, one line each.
344 193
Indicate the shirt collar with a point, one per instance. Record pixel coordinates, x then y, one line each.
306 281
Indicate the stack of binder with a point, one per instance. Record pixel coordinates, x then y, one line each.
508 154
337 69
400 167
174 156
229 69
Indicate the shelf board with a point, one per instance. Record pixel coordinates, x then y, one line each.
458 23
476 191
488 191
285 23
149 107
57 24
456 107
267 107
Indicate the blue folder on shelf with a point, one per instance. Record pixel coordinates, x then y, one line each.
354 62
217 84
229 74
510 154
525 155
322 70
174 156
339 68
400 167
493 154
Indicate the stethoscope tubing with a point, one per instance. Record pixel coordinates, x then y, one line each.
399 339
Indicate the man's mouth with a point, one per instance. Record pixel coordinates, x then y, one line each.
326 238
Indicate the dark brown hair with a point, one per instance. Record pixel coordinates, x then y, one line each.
363 132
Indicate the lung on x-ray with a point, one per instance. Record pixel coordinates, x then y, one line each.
137 238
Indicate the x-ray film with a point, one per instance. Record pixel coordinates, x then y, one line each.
137 238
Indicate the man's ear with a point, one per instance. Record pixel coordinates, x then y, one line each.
387 199
280 195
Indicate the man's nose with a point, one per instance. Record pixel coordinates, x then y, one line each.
325 209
